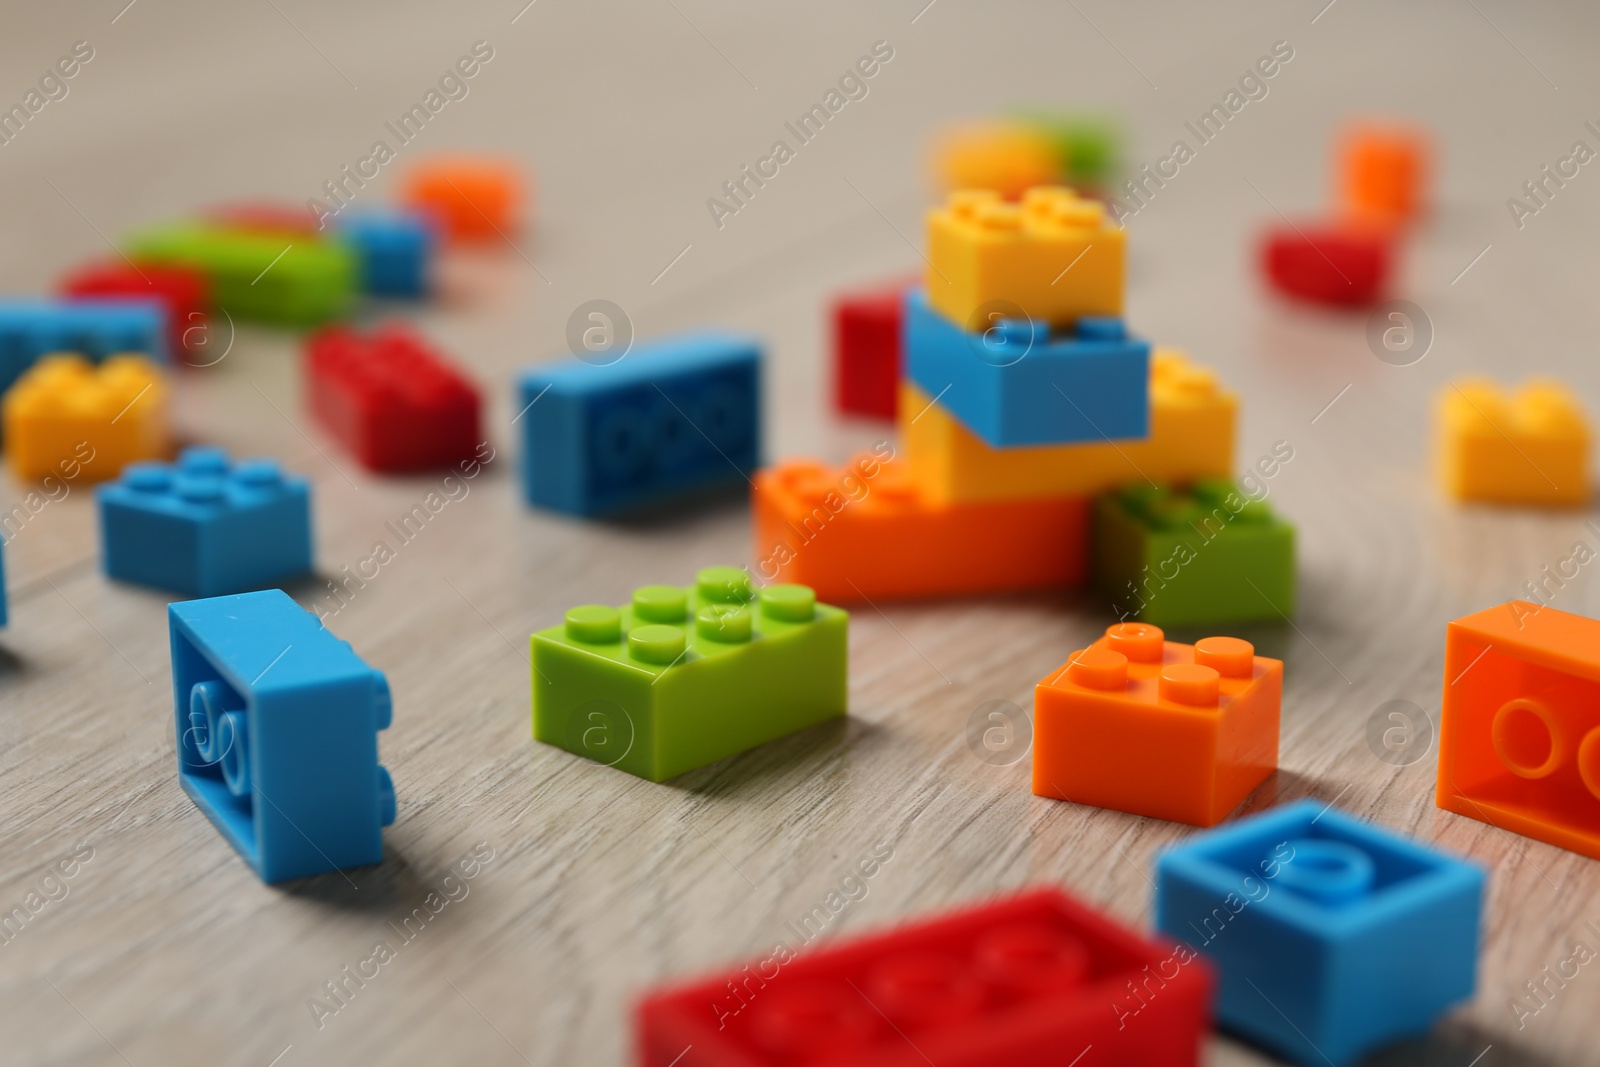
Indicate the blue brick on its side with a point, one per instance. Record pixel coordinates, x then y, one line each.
393 249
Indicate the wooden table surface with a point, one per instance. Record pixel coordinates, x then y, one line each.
165 949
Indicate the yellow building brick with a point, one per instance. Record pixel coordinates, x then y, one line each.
65 413
1192 424
1525 447
1055 256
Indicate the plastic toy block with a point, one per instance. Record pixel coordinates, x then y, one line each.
284 278
1141 724
204 527
265 217
863 532
1053 257
1339 264
681 678
669 419
1192 420
3 613
1530 447
277 726
1087 146
1013 384
66 413
1383 171
1005 157
1193 557
1330 937
472 198
866 350
1031 980
182 292
394 249
94 329
1519 733
391 399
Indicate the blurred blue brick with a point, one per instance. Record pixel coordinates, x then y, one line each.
94 328
205 527
393 250
1014 384
673 417
277 726
1331 937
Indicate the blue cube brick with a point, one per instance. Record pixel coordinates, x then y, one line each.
1331 937
204 527
277 726
673 417
1014 384
393 250
93 327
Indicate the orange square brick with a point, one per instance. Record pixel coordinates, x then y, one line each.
1383 171
474 198
864 532
1141 724
1519 733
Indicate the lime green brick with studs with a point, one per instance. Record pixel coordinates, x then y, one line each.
683 677
1193 556
288 279
1089 146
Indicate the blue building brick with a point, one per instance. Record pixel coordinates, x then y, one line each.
1331 937
676 416
277 726
1015 384
94 328
393 250
204 527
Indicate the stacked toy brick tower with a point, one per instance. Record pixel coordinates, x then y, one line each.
1040 440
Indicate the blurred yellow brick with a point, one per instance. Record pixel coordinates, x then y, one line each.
1530 446
71 419
1008 158
1052 257
1192 423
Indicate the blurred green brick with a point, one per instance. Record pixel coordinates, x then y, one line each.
287 279
1191 557
683 677
1089 146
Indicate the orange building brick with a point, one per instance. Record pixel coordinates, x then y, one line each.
474 198
1141 724
1383 171
65 412
1006 157
863 532
1519 731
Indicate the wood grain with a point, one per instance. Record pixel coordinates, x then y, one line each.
166 950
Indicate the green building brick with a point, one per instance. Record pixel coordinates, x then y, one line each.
1192 557
288 279
1089 146
683 677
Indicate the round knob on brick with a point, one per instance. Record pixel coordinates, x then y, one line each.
1190 683
998 217
201 489
724 585
661 645
147 477
203 460
1031 957
258 473
813 1020
1330 872
1230 657
726 623
1140 642
1098 668
386 801
789 603
660 603
594 623
922 987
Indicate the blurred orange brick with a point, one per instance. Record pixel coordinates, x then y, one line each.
1519 730
64 413
1006 157
1527 447
1383 171
1141 724
473 198
863 532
